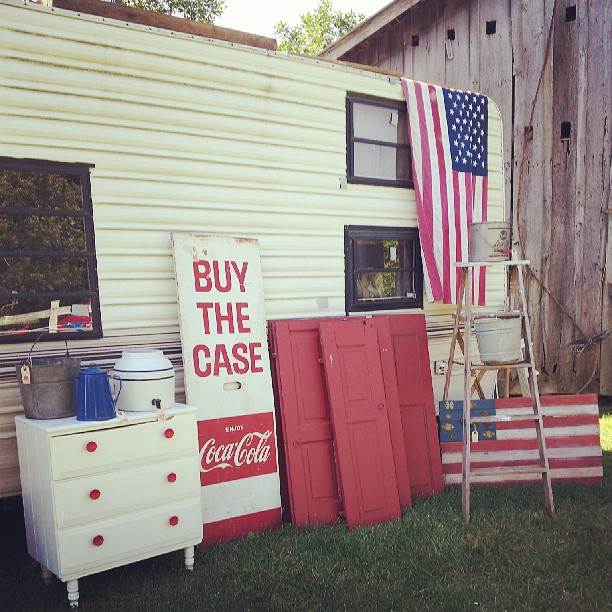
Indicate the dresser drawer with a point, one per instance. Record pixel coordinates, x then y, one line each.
116 541
122 447
92 498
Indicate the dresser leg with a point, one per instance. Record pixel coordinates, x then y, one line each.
46 575
73 593
189 557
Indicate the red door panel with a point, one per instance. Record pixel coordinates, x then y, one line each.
416 400
305 418
387 361
282 459
363 448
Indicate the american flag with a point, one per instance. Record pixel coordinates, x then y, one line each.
571 430
448 135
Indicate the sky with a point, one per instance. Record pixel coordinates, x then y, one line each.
260 16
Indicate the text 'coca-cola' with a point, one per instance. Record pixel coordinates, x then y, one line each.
236 447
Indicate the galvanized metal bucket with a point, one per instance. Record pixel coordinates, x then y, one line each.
489 241
47 387
499 338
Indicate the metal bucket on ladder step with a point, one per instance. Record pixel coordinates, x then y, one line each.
498 336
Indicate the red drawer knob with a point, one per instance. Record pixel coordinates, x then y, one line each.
172 477
174 520
169 433
94 494
98 540
91 447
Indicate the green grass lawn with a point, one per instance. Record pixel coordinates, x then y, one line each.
512 555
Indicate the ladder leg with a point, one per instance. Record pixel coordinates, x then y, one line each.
506 390
535 399
455 336
539 427
467 394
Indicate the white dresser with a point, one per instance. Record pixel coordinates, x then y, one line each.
97 495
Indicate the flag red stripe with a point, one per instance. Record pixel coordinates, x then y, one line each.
424 220
457 204
548 400
483 275
469 197
551 422
572 442
425 161
594 480
446 264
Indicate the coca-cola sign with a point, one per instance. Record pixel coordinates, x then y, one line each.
236 447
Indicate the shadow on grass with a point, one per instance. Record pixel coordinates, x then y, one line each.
511 555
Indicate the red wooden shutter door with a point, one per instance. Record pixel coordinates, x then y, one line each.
280 427
416 399
307 429
387 361
359 417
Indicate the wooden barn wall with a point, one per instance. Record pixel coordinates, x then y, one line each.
566 183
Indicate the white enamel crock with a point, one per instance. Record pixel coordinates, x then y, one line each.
140 378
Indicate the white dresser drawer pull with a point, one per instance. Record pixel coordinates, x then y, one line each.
91 447
171 477
169 433
98 540
94 494
174 521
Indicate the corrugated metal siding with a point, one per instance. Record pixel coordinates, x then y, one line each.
195 135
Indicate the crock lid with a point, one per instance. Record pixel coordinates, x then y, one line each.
143 353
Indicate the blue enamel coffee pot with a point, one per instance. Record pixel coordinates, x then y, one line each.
95 401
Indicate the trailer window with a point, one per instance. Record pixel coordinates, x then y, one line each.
383 268
378 151
48 276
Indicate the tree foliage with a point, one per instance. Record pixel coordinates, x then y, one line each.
196 10
316 30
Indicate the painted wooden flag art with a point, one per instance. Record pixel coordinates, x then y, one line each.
571 428
448 131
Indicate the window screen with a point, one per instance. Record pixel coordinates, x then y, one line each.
48 271
383 268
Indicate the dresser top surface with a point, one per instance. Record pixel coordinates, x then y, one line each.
70 425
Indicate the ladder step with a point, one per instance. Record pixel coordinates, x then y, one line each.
500 366
505 418
513 314
518 469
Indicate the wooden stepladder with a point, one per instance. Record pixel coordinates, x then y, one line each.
473 372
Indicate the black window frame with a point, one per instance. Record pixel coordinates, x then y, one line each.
375 232
83 171
351 99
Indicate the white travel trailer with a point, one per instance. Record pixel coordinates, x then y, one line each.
157 131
